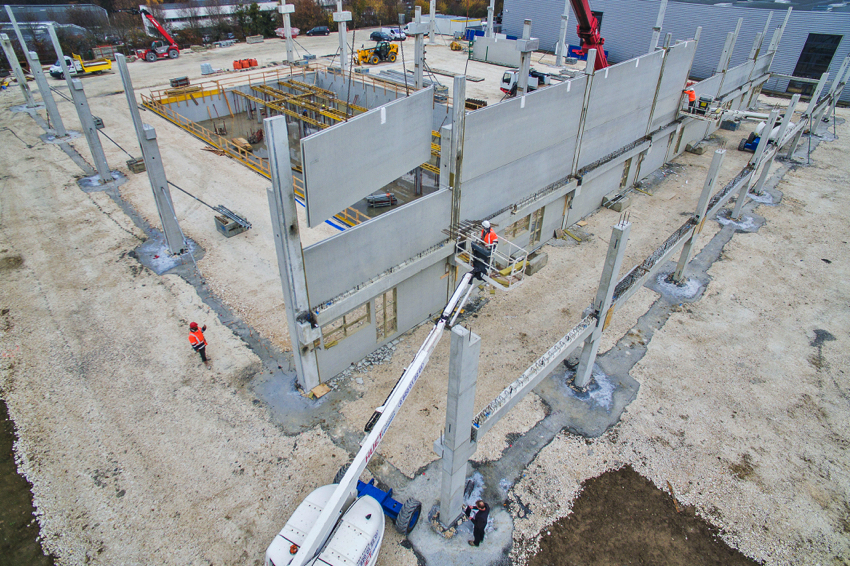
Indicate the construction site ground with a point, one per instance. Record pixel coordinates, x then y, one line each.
137 453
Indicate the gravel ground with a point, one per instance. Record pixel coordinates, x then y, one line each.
744 395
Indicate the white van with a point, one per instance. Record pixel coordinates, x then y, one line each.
396 34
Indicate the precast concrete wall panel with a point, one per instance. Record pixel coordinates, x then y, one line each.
762 66
514 181
495 50
339 172
592 191
620 104
514 129
421 296
736 77
333 360
675 75
358 254
655 156
369 95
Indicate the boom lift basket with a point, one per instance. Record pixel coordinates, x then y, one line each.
502 267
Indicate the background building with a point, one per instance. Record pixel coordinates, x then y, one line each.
813 42
200 13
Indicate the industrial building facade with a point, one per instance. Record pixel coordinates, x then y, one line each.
627 29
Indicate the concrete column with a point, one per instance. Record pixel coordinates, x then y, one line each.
162 195
783 127
460 409
490 12
604 295
455 159
46 95
174 238
432 23
418 48
734 41
82 106
589 71
764 33
656 31
17 28
290 260
699 214
341 18
9 51
842 80
525 47
754 51
755 161
808 115
816 118
286 10
561 47
816 94
723 54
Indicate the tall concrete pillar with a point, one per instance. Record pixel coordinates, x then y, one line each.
699 215
342 18
561 47
82 105
286 10
807 115
490 12
17 28
460 409
432 22
417 28
783 126
602 303
589 71
656 31
755 161
841 81
451 170
290 261
46 95
760 50
174 238
525 46
9 51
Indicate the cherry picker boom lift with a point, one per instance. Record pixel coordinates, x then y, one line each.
158 49
318 533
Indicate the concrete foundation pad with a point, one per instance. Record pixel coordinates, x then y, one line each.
689 291
154 255
455 551
748 223
95 183
53 138
25 108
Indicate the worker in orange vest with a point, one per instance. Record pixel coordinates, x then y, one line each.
197 340
692 99
489 235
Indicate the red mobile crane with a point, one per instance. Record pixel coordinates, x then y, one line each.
158 49
588 32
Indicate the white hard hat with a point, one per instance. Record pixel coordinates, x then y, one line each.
486 224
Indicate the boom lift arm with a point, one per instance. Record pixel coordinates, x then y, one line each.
385 414
588 32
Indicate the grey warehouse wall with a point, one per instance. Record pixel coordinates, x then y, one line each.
627 29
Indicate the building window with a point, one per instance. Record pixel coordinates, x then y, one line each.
536 226
625 178
386 317
516 228
814 61
346 325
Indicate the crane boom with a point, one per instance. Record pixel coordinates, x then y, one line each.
589 33
323 526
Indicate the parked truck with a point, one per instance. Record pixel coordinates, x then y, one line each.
77 67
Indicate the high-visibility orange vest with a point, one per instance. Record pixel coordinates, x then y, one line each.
196 339
489 236
692 96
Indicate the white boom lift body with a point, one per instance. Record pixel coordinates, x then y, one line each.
320 525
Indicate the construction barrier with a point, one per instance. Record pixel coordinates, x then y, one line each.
244 64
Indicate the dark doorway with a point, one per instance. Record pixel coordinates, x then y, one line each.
814 61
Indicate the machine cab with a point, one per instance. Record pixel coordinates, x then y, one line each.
159 46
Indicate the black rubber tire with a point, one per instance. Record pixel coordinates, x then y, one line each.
173 53
150 56
408 516
340 473
391 57
741 144
374 60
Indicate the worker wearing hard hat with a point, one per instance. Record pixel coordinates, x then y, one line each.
197 340
488 235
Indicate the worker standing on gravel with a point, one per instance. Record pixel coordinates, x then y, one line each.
197 340
478 515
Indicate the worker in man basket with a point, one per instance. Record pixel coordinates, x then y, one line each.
692 99
197 340
481 254
488 235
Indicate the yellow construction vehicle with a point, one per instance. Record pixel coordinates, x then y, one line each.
383 51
